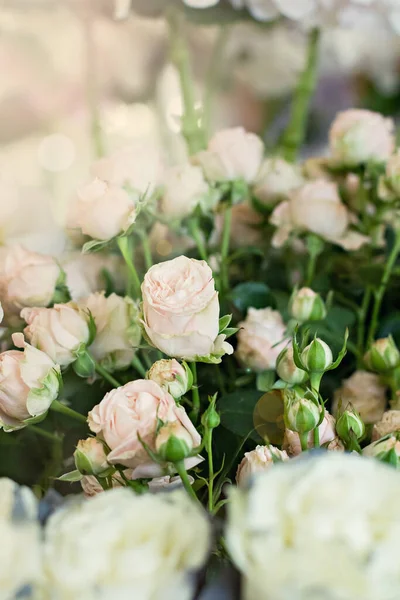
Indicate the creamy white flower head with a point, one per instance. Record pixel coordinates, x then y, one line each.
276 179
365 393
151 544
261 338
26 279
118 330
358 136
58 331
184 187
316 207
231 154
20 551
181 309
306 520
256 461
103 210
327 435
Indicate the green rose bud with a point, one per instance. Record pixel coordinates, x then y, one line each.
383 355
301 414
287 370
176 378
211 418
350 426
91 459
306 305
317 356
173 442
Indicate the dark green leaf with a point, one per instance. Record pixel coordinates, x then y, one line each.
237 410
253 294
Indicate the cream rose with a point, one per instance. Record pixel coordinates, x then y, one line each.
184 187
256 461
261 338
389 423
58 331
26 279
316 207
365 393
327 434
359 136
102 210
146 546
132 412
181 309
231 154
275 180
29 382
118 330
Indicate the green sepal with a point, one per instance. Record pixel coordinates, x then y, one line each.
72 476
95 245
341 354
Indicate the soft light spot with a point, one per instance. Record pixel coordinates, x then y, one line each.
56 153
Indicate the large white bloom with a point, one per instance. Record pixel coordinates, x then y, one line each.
318 528
121 546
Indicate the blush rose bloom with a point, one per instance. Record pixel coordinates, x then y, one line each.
261 339
256 461
327 435
184 187
26 279
231 154
132 411
181 309
276 179
365 393
58 331
29 382
359 136
118 330
316 207
102 210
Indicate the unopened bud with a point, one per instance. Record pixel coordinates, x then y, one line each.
172 376
84 365
383 355
387 449
173 442
210 418
317 356
301 414
350 426
307 305
287 370
90 458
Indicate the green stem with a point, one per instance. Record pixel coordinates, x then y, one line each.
226 234
106 375
195 394
92 89
198 238
148 259
147 359
45 434
137 363
294 134
191 128
57 406
213 76
312 263
304 441
180 468
380 292
316 438
362 315
210 470
134 281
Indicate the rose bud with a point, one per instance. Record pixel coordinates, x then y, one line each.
389 184
317 356
301 414
387 450
261 338
181 310
102 210
58 331
350 426
307 305
90 457
364 392
27 279
360 136
256 461
232 154
275 180
287 370
389 423
177 379
29 383
383 355
184 188
326 433
173 442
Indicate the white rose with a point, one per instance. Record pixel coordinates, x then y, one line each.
276 179
261 338
365 393
256 461
58 331
184 188
26 279
118 330
102 210
231 154
304 521
148 545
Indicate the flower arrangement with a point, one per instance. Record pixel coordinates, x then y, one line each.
227 399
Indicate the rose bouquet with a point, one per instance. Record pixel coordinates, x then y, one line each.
209 392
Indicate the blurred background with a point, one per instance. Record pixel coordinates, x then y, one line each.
83 76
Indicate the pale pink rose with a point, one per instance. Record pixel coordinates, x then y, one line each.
86 272
389 423
134 411
58 331
276 179
181 308
26 279
256 461
358 136
261 338
327 434
365 393
102 210
118 330
231 154
184 187
29 382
